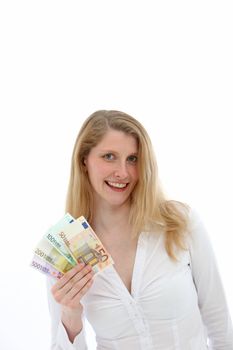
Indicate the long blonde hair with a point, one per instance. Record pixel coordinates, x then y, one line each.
148 204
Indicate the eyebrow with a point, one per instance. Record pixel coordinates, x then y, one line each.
112 151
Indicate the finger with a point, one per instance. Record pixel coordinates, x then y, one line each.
67 276
76 279
78 288
62 295
77 297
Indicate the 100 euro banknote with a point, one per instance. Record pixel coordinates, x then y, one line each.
84 245
53 238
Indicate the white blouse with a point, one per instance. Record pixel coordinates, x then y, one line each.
172 306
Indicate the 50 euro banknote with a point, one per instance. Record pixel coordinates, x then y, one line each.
85 245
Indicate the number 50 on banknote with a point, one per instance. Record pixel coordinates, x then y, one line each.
84 244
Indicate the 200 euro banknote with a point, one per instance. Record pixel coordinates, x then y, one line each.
47 252
84 244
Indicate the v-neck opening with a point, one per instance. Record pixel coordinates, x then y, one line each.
136 273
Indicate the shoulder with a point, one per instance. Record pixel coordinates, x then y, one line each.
194 216
195 221
198 235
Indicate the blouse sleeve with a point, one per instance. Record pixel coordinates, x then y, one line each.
59 337
211 296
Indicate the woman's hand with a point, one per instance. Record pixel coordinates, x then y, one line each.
72 286
68 291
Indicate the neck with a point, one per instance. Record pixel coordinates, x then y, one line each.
110 221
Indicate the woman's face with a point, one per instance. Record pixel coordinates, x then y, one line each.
112 167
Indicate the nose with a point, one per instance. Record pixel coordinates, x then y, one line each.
121 171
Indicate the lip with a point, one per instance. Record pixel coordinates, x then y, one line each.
117 189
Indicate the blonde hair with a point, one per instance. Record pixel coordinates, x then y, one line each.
148 204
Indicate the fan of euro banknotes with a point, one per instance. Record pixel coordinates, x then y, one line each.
68 242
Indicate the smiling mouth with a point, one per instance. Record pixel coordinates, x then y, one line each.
116 184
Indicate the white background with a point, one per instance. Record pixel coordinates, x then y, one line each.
168 63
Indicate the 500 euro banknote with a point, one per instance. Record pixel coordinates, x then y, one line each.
45 268
84 245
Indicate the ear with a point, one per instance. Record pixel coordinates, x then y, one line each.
84 162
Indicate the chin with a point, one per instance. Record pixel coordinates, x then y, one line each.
117 204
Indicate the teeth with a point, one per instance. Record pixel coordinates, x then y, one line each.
114 184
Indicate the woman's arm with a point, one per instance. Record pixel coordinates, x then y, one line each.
66 310
211 296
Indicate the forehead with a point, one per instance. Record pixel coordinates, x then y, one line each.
118 141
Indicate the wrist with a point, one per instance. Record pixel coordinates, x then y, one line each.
72 321
72 312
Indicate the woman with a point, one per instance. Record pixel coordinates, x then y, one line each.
164 290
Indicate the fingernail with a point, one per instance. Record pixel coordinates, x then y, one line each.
81 264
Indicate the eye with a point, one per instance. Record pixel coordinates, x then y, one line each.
108 156
132 159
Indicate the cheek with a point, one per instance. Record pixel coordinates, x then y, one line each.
135 174
97 172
